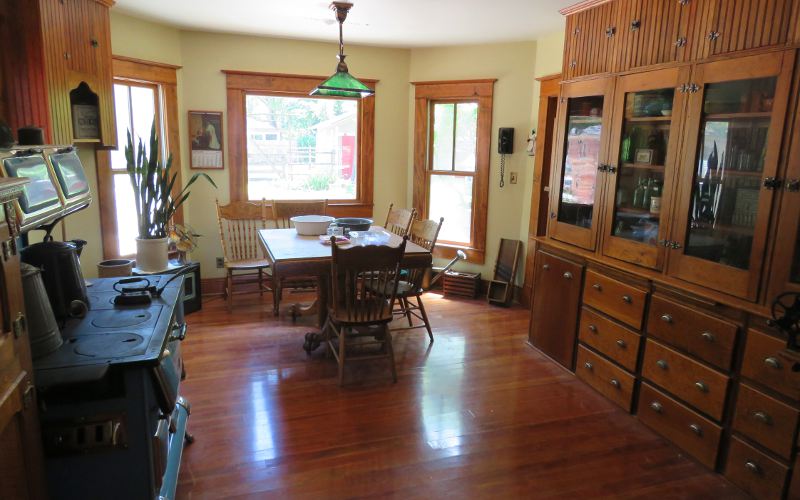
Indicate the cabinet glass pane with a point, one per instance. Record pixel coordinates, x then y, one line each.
640 174
581 159
794 277
730 162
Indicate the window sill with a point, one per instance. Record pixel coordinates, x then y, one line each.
341 208
448 251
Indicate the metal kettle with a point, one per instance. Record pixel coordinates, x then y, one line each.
61 272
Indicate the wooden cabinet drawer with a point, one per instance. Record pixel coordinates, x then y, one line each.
615 298
764 364
696 384
606 336
606 378
709 338
765 420
688 430
754 472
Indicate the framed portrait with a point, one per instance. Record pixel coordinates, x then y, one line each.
205 140
644 156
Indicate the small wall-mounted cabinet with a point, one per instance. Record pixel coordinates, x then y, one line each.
57 69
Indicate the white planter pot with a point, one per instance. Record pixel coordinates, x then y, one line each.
152 255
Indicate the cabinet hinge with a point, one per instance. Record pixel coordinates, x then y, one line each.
611 31
693 88
611 169
602 167
713 35
675 245
573 64
636 24
684 2
793 185
772 183
682 88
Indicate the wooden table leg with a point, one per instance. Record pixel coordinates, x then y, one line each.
315 338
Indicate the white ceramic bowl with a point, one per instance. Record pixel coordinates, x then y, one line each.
311 225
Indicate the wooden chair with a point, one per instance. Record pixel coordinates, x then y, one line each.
399 220
239 223
501 288
364 284
424 233
282 212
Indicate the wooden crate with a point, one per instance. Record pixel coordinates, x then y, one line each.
462 284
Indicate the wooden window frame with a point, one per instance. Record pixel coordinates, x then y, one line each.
425 95
163 77
241 83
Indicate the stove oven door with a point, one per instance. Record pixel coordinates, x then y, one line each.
168 373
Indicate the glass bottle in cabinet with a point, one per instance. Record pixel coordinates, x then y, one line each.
733 142
584 116
646 107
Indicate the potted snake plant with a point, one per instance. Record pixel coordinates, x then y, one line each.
152 181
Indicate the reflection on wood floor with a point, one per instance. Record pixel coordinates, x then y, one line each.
476 414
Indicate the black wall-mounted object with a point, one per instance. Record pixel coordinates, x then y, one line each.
505 141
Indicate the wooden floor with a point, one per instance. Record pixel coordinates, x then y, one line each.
476 414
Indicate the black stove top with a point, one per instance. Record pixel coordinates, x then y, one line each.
111 335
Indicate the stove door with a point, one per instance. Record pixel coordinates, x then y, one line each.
167 375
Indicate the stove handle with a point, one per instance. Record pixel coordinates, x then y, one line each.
178 332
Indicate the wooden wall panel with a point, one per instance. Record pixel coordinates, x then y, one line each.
55 55
101 32
749 24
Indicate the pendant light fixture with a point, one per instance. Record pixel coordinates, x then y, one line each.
342 83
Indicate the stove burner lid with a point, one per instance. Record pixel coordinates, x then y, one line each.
110 345
119 318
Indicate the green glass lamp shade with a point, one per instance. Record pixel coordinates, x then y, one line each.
343 84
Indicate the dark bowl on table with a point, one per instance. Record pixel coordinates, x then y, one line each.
354 223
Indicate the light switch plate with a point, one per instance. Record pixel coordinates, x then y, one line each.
513 178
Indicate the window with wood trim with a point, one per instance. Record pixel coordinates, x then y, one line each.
144 93
451 161
284 144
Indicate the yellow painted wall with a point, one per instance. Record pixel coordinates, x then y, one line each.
203 55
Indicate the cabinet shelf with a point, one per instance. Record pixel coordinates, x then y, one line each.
726 228
738 116
580 120
648 118
642 212
644 166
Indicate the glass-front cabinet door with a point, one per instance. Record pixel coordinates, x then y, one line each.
644 147
584 119
785 272
735 118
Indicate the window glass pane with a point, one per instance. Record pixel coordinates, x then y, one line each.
466 136
123 116
443 123
451 198
727 181
301 148
143 104
581 159
127 229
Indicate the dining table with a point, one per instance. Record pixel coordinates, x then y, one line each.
293 255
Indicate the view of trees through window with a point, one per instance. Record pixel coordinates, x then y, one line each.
301 148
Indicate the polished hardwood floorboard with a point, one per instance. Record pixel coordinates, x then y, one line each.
477 414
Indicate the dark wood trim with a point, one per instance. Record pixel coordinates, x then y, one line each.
147 62
145 71
240 83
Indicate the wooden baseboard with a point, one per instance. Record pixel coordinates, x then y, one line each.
216 286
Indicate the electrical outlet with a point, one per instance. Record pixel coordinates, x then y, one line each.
513 178
220 262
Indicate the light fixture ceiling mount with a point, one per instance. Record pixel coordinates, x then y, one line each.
342 83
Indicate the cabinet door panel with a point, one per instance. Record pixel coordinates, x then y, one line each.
590 46
557 288
584 117
748 24
647 109
733 134
697 25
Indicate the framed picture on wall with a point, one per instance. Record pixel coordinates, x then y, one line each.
205 140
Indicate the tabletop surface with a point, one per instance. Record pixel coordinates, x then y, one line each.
286 245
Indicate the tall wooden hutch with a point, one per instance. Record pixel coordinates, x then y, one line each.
674 224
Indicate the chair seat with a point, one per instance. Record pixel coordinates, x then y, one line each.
404 289
246 264
358 313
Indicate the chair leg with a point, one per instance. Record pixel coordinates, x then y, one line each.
407 309
229 289
342 335
260 282
276 296
424 317
388 340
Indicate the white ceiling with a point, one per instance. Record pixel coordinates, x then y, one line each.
410 23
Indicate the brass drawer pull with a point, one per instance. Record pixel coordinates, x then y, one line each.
627 299
597 287
622 344
567 275
762 417
656 407
588 365
752 467
773 363
666 318
592 328
662 364
615 383
701 386
708 336
696 429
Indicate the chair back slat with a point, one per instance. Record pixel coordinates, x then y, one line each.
283 211
239 223
365 282
423 233
398 220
